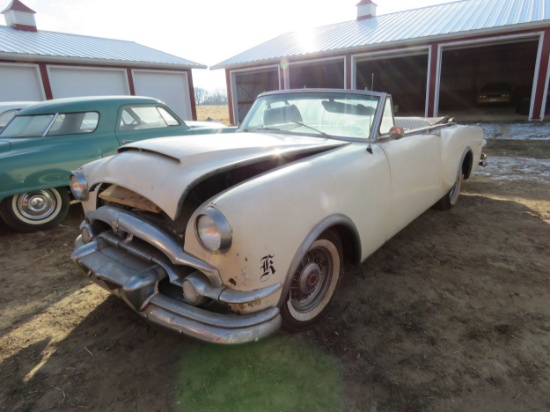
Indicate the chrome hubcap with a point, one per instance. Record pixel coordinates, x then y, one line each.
311 281
36 205
309 278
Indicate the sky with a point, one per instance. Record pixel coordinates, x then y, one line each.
204 31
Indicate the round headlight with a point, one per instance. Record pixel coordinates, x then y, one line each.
214 230
79 185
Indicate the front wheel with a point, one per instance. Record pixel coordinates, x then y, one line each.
38 210
314 283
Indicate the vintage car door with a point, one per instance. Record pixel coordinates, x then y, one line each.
415 169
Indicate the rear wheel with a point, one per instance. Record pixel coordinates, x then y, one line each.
451 198
314 283
38 210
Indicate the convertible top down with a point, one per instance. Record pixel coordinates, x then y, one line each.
226 238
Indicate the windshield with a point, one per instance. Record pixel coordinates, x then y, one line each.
318 113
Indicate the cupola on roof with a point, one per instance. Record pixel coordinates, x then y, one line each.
366 9
20 17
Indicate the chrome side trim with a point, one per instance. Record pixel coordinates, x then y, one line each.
126 222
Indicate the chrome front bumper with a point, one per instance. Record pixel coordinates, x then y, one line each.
132 271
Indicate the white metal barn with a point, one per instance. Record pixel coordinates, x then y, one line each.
40 65
430 59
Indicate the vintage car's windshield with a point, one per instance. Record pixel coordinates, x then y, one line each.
51 124
326 114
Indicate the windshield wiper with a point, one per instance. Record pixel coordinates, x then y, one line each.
255 129
313 128
260 129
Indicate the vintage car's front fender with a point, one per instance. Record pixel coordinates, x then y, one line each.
339 221
354 195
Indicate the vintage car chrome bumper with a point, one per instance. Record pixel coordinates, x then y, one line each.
483 160
132 271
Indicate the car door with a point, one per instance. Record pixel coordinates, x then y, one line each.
415 169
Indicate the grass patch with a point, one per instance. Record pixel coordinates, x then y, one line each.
275 374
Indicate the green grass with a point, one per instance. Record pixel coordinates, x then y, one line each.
275 374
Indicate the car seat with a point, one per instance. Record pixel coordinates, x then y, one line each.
282 115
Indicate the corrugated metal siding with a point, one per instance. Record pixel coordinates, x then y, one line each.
460 17
70 46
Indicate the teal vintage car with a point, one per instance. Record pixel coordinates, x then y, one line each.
46 141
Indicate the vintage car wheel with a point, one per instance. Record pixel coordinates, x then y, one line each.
314 283
38 210
451 198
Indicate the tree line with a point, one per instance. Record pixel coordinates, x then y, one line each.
210 97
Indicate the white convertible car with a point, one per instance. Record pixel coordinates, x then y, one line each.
227 237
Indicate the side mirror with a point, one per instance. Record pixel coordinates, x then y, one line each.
396 132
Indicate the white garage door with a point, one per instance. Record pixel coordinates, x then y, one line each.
170 87
20 82
76 81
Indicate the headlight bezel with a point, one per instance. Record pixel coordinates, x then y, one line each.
79 185
212 219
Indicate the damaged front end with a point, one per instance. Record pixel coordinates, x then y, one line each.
138 206
147 268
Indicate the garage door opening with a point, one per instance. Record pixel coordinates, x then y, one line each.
404 77
323 74
248 85
490 80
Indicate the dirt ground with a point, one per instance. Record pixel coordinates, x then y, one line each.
453 314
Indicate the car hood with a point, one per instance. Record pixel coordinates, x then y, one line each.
166 169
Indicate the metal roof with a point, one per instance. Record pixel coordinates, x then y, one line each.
456 19
71 48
